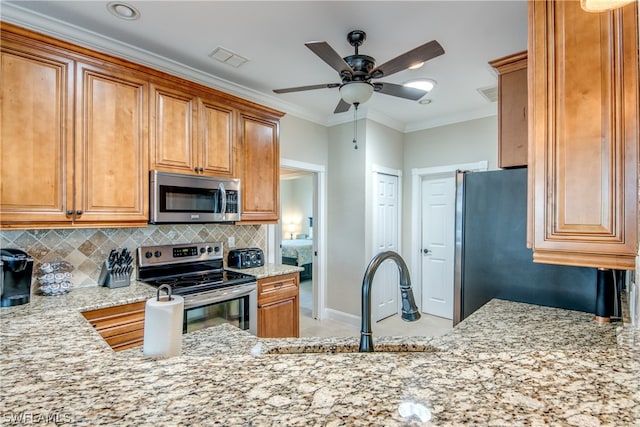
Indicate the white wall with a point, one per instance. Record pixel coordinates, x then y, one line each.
348 183
345 229
303 141
384 148
464 142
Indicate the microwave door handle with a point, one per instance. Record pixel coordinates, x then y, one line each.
223 195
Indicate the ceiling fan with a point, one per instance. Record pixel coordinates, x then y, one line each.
356 71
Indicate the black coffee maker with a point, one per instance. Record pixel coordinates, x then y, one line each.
15 282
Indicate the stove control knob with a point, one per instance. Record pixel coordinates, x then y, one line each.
209 249
148 254
216 249
203 250
157 254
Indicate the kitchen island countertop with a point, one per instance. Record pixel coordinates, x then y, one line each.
507 364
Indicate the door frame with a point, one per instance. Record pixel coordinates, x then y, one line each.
274 234
417 175
375 170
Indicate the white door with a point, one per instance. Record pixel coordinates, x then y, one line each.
438 228
385 287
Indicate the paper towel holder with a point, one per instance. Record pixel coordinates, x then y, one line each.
168 288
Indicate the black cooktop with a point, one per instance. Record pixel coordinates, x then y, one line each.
193 277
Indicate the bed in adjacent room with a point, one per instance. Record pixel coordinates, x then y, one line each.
299 252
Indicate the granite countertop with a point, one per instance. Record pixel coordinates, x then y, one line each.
268 270
507 364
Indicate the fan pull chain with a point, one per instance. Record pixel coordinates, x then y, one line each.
355 126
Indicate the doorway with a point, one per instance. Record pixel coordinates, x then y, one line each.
300 232
433 236
386 237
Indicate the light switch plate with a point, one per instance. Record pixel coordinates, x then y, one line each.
231 242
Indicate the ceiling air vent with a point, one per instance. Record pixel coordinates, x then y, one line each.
227 57
489 93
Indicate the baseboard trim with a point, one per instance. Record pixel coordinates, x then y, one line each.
342 316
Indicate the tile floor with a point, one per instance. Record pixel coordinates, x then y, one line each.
427 325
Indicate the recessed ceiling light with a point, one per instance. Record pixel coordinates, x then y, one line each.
424 84
425 101
123 10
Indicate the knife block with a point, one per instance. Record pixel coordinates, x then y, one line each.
110 279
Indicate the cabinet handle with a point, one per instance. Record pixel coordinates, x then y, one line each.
78 212
195 169
69 212
201 169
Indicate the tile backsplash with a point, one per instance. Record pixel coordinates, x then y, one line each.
87 248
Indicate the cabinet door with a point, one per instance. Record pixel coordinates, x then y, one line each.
216 139
278 304
584 134
279 319
172 130
36 136
260 170
111 146
512 110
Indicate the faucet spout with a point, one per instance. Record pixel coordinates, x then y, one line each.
410 311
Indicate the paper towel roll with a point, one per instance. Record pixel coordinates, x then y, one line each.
163 327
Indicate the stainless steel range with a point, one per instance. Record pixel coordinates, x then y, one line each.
212 295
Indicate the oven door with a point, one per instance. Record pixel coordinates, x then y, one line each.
236 306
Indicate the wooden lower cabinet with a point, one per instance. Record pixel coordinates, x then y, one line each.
122 326
278 306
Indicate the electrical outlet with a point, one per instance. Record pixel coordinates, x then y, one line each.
231 242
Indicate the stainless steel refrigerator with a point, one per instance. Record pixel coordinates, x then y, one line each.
492 260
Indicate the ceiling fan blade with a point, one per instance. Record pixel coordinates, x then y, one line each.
342 107
399 91
330 56
310 87
420 54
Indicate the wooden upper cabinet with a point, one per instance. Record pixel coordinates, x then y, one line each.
36 134
191 133
216 134
512 110
172 130
583 130
74 139
111 178
260 153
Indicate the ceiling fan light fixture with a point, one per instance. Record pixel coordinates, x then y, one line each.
356 92
424 84
602 5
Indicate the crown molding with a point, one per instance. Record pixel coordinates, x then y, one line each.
52 27
463 116
14 14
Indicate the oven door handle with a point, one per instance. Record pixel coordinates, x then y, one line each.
207 298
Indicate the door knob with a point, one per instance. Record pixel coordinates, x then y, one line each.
426 251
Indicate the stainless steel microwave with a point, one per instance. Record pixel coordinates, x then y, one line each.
181 198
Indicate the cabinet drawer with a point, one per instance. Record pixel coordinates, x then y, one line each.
277 287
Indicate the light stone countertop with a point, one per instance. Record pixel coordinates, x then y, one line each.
507 364
268 270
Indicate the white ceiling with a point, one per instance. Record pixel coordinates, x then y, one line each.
178 36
